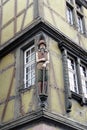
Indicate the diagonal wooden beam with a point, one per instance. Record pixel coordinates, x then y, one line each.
51 12
8 95
27 2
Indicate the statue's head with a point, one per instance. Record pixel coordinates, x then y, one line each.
41 44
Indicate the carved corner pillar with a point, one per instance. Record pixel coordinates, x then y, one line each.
68 103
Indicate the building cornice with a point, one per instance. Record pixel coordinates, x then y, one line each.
41 25
42 115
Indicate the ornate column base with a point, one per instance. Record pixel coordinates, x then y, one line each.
43 99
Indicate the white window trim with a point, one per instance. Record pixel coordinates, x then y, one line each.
70 15
84 78
80 23
72 88
75 18
27 65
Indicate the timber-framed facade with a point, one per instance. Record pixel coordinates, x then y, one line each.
64 106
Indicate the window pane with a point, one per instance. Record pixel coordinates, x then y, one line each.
33 50
33 81
69 15
33 56
80 23
70 64
72 75
83 72
33 67
85 88
29 68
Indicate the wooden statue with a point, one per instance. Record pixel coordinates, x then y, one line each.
42 59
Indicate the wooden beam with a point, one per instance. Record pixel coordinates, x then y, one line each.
8 95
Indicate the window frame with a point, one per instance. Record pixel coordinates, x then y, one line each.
70 15
20 67
82 63
76 12
74 74
27 66
84 78
80 23
69 48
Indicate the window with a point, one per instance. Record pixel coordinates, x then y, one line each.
75 15
72 75
69 12
80 23
79 17
83 72
70 15
29 66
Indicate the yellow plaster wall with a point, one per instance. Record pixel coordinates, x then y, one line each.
78 113
19 22
21 5
1 110
55 14
56 78
9 115
85 42
16 18
5 80
85 12
6 71
29 16
8 11
56 58
7 33
55 103
6 61
57 6
61 24
27 100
